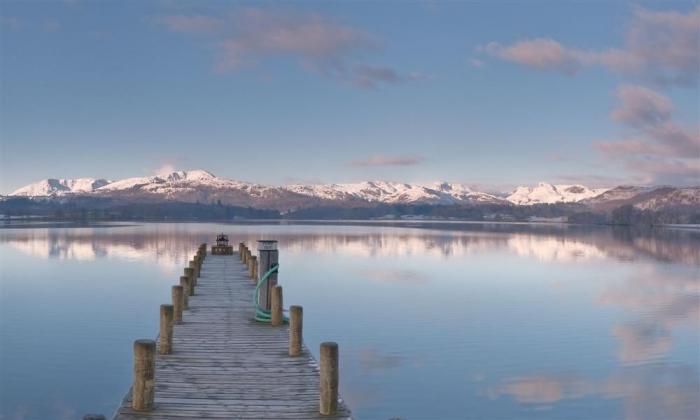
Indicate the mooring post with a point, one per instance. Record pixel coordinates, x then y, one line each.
253 266
166 329
185 283
189 273
276 316
143 389
193 266
240 250
269 256
255 269
178 305
296 325
198 264
329 378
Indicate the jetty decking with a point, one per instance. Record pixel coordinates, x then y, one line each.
223 364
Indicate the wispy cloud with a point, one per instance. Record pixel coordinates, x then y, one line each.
660 149
662 46
190 23
382 160
318 43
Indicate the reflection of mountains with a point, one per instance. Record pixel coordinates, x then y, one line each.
87 244
547 243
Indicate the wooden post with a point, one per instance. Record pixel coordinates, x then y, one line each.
193 266
276 317
255 270
253 266
178 304
296 325
185 283
198 265
143 389
166 329
329 378
189 273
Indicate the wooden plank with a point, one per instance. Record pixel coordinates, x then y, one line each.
224 365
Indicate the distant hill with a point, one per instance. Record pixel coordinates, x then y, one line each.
179 189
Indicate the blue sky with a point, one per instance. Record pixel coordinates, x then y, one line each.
491 94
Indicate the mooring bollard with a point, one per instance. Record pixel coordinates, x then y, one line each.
193 266
255 270
198 265
189 273
178 305
329 378
166 329
143 389
276 317
253 266
185 283
296 326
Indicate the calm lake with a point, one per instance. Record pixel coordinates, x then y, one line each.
434 321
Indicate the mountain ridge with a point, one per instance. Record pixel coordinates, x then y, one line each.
202 186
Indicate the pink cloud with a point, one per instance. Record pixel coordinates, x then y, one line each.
539 53
662 150
640 106
381 160
663 46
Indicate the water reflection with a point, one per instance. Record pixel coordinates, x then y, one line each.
501 321
656 301
660 391
546 243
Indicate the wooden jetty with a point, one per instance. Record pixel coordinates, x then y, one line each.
212 360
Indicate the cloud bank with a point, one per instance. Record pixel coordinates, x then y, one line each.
661 46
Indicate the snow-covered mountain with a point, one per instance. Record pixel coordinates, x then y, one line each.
58 187
395 193
544 193
204 187
645 198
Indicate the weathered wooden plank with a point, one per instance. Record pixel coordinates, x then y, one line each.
223 364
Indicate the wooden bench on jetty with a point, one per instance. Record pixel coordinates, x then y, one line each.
213 360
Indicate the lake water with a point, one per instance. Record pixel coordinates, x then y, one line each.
434 321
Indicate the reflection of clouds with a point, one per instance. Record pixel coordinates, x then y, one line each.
659 391
661 301
642 341
649 386
396 276
371 360
545 389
